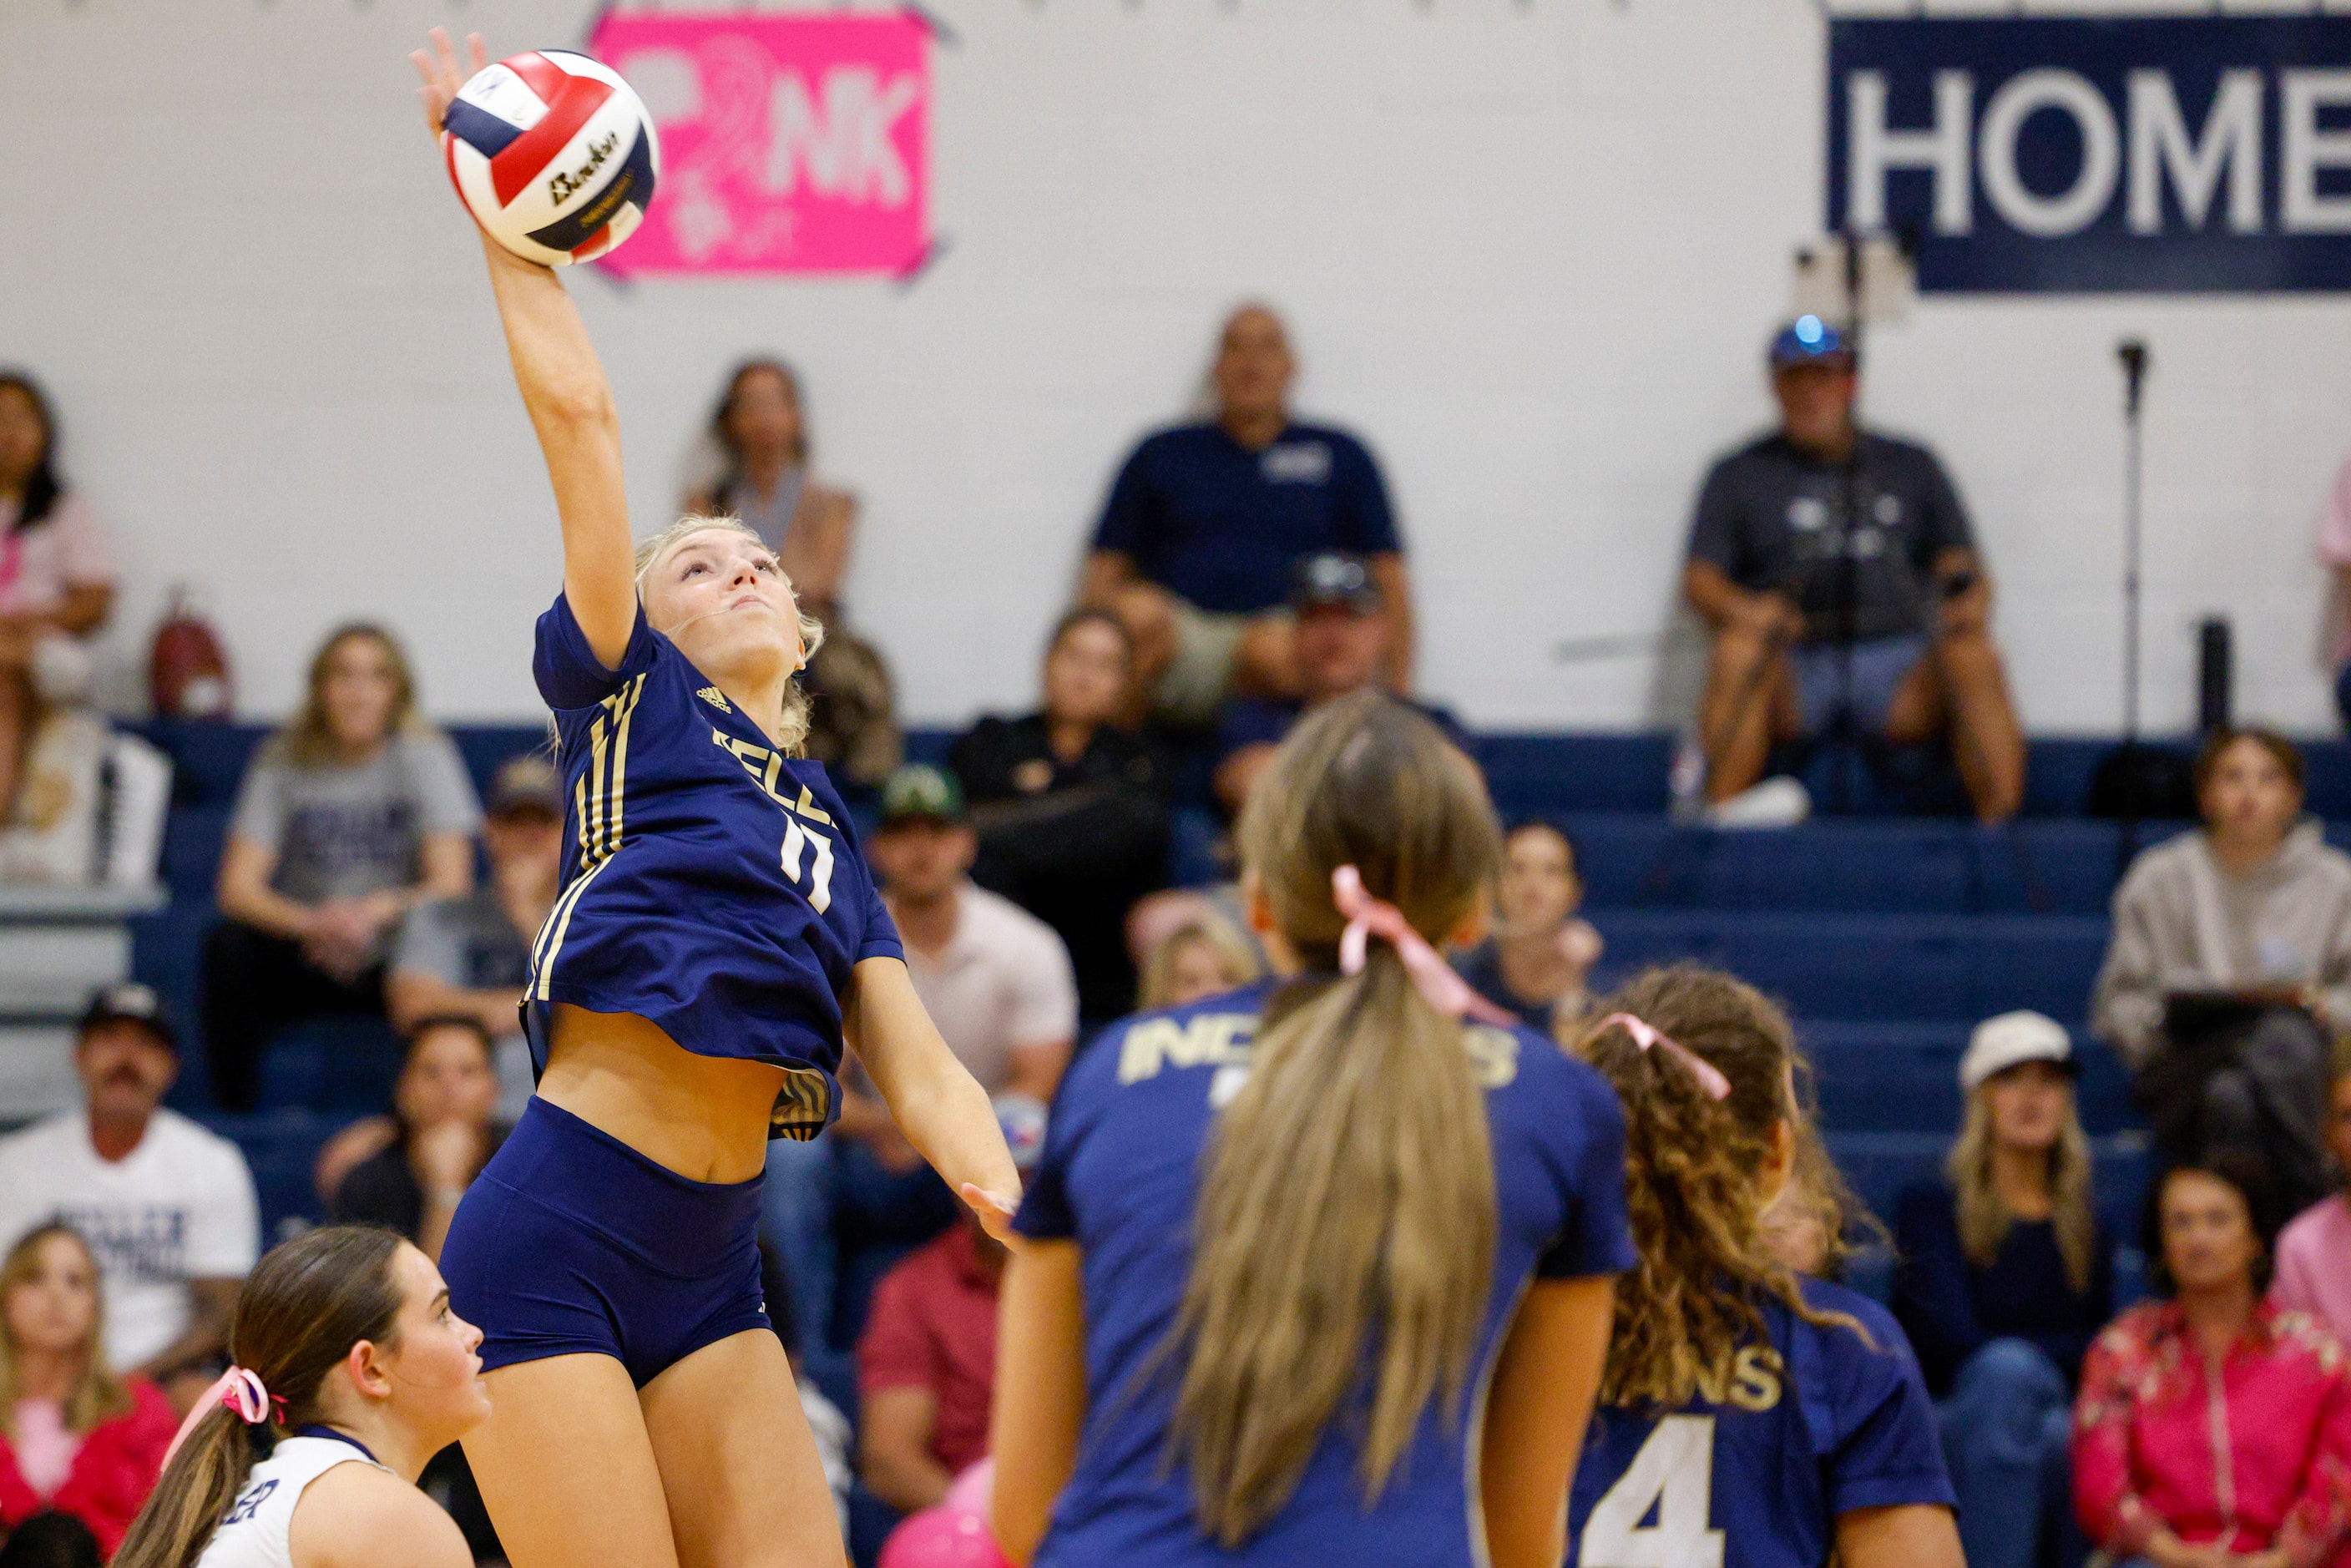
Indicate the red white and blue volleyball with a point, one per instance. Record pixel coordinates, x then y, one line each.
553 154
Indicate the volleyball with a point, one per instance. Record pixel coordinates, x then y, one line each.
553 154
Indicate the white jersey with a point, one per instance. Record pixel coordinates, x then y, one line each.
256 1533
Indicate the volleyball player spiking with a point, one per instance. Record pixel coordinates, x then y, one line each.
717 941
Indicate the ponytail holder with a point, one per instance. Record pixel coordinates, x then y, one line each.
1431 977
239 1390
1645 1035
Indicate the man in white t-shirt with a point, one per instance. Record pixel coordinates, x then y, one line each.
167 1206
994 977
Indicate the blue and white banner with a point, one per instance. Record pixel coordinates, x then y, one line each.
2098 155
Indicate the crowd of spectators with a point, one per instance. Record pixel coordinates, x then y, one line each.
1246 568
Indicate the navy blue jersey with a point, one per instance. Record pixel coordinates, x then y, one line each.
711 884
1753 1472
1120 1176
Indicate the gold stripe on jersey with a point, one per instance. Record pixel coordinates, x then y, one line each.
551 935
592 777
626 711
604 781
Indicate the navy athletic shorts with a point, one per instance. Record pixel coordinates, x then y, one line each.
572 1241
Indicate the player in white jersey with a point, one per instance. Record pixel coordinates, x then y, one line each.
353 1372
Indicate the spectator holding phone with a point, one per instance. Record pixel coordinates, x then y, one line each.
2230 967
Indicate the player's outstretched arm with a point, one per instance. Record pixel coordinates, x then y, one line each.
932 1096
568 399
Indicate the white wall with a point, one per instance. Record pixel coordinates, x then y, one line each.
1529 250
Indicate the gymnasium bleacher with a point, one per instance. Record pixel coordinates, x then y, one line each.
1887 936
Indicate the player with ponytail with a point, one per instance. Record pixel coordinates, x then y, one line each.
1320 1270
1748 1417
351 1368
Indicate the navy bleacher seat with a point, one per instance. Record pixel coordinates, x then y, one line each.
282 1147
1890 965
331 1065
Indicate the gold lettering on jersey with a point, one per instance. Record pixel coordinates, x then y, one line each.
765 768
1755 1378
1223 1039
1752 1380
1493 1053
1154 1044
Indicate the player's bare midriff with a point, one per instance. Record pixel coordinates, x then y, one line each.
704 1117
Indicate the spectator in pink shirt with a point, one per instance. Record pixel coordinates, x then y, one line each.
2313 1253
2214 1430
57 579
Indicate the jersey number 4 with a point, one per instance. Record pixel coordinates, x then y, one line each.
799 841
1673 1476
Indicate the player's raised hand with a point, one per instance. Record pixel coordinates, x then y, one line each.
438 76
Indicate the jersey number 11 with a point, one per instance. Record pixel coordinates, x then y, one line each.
798 841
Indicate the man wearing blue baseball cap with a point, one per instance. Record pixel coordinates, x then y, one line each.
1840 574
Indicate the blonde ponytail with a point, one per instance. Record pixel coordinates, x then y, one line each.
1345 1228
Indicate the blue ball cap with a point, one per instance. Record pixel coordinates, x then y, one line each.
1808 339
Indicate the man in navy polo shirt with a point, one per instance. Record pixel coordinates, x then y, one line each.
1877 624
1195 543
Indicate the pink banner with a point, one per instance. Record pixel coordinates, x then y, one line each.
789 143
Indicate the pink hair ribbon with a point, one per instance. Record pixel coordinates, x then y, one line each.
240 1390
1645 1035
1431 977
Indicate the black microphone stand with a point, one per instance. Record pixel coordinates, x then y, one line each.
2132 760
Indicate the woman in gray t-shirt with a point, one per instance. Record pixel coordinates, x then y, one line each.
350 816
